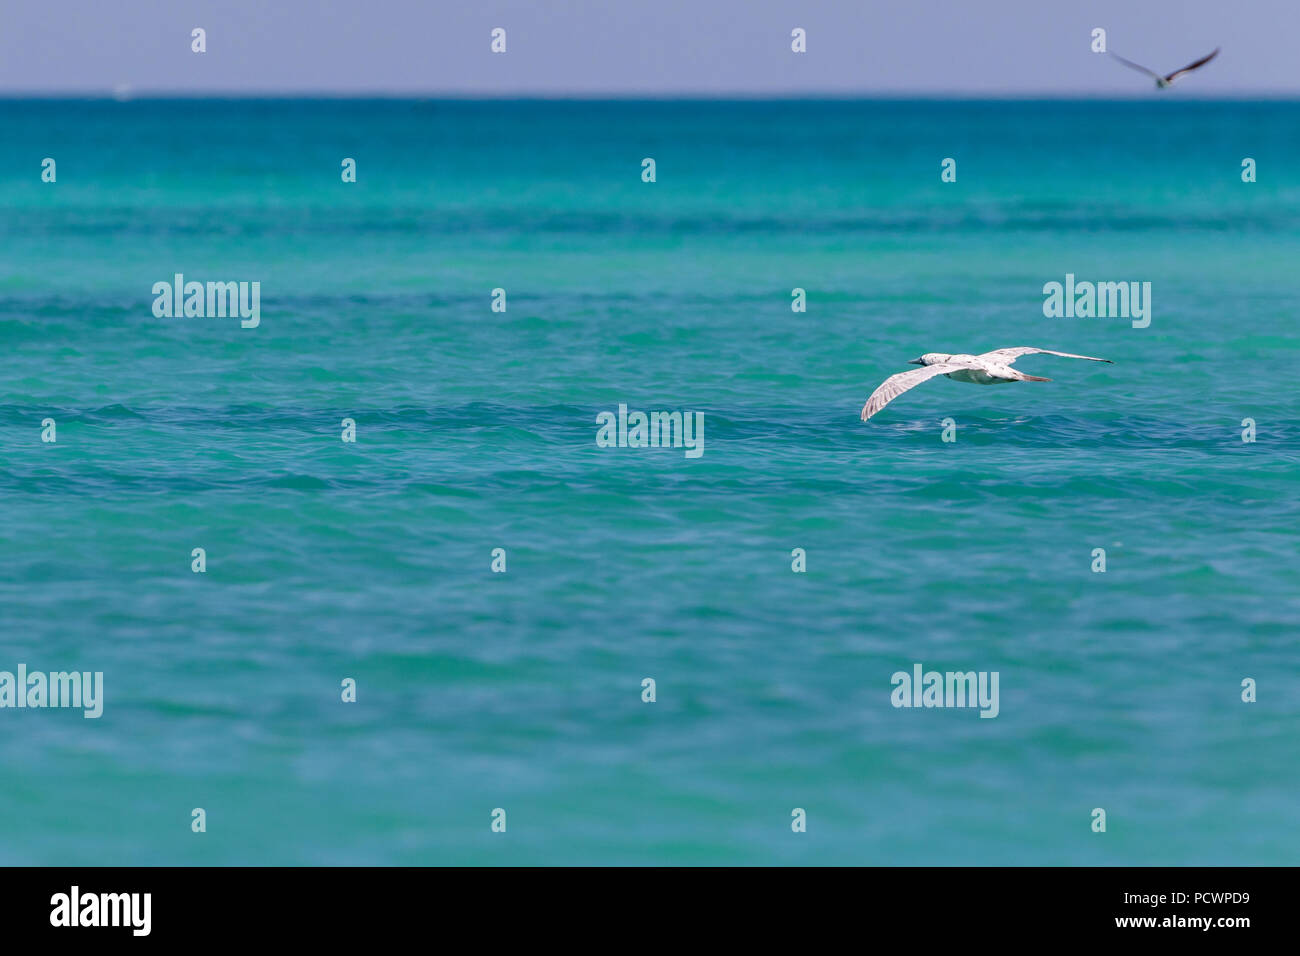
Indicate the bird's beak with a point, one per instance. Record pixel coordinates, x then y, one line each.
915 362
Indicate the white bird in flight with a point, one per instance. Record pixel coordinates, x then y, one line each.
1164 81
991 368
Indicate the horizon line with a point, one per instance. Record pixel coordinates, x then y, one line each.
127 93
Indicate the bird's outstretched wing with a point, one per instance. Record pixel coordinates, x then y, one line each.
1192 66
896 385
1007 356
1138 66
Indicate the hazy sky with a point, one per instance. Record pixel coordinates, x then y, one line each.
654 47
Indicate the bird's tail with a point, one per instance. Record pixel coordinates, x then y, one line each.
1035 378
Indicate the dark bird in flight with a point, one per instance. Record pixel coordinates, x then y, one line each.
1164 81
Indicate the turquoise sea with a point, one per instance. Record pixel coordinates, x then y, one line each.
476 430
